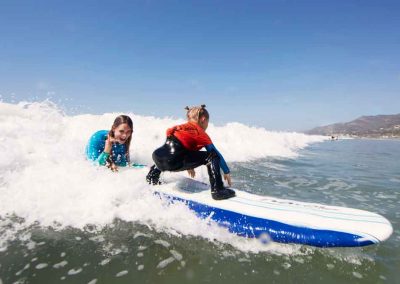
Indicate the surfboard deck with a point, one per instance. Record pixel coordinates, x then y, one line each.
282 220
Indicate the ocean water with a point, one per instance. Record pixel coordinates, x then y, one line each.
63 220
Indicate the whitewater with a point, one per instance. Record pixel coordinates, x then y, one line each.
46 180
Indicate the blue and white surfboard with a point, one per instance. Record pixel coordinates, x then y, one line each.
284 221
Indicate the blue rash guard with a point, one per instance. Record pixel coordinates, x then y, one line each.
95 148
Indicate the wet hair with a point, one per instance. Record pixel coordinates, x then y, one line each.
121 119
196 112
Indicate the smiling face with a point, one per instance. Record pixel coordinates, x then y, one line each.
122 132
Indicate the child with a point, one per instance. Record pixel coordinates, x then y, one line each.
181 152
111 148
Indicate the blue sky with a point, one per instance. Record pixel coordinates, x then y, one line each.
282 65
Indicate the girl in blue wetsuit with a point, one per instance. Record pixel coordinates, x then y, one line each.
111 147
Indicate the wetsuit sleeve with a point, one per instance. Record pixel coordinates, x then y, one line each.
102 159
95 145
224 166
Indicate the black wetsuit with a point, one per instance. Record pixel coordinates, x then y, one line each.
172 156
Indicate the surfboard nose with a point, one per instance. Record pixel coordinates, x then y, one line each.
384 231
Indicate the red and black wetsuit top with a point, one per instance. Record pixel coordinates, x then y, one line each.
193 138
191 135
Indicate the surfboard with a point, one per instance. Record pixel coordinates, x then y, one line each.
281 220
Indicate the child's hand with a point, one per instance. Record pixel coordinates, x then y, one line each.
108 145
113 167
191 173
227 177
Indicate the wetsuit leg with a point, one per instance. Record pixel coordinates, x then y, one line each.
168 157
194 159
160 157
218 191
212 161
214 172
153 177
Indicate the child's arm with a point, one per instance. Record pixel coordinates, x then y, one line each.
224 166
102 159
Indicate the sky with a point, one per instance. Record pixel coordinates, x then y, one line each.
281 65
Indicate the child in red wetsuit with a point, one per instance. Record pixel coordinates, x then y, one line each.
181 152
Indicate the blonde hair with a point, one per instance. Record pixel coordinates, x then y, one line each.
196 112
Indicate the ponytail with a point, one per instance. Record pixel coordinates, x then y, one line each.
196 112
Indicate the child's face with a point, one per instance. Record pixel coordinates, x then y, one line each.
122 133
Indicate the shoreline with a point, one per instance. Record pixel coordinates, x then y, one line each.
368 138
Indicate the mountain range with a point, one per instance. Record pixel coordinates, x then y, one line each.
379 126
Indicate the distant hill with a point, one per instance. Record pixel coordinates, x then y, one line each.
379 126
